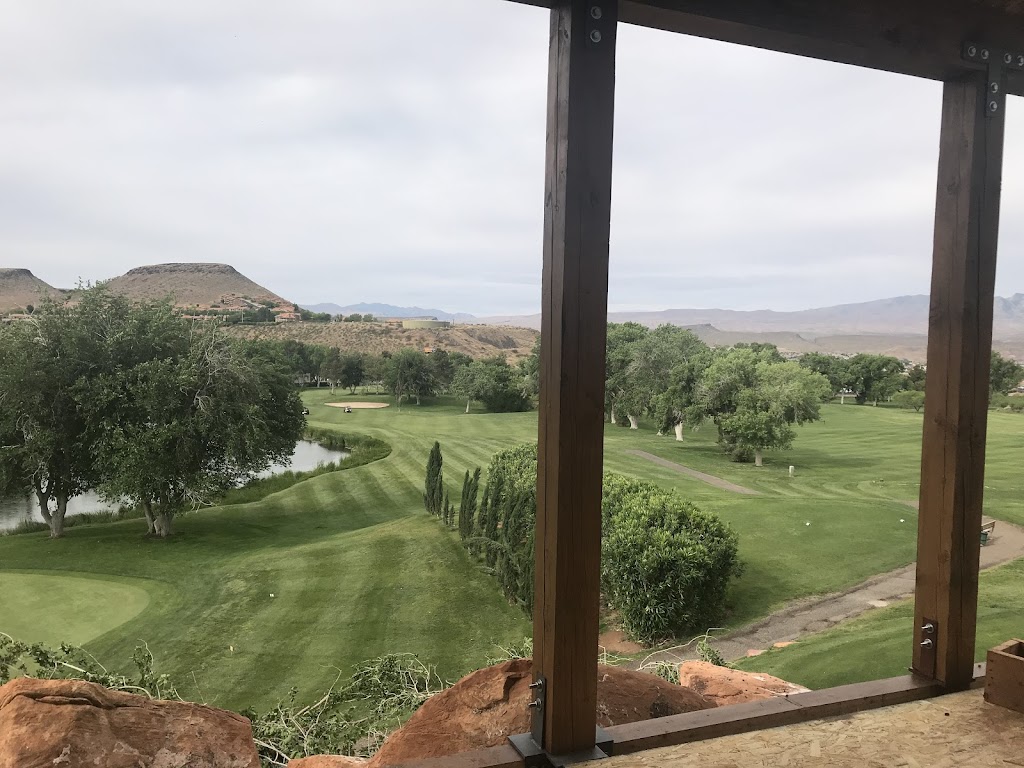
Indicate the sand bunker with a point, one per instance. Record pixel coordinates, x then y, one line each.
358 406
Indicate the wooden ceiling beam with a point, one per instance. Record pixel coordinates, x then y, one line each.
909 37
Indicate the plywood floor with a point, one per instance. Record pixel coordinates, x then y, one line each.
957 730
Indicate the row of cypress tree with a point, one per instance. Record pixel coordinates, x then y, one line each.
666 565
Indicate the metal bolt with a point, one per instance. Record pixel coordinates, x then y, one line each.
984 53
595 36
1020 61
927 643
538 684
993 106
596 12
972 51
928 628
994 87
535 704
1008 58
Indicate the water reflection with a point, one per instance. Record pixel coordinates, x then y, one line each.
13 510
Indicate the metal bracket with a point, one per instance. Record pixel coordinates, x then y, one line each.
996 63
534 755
928 636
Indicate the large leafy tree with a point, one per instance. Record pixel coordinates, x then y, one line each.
648 372
874 377
619 354
408 374
175 429
755 400
46 365
835 369
1006 374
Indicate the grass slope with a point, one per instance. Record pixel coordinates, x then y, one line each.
78 608
357 569
878 644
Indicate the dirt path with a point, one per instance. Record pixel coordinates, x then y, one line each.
810 615
717 482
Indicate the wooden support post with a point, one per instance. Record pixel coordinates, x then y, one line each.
577 210
956 409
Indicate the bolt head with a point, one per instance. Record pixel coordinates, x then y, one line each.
1020 61
972 51
595 36
984 54
993 106
596 12
994 87
1008 58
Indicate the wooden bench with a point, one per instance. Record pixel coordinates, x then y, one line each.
986 531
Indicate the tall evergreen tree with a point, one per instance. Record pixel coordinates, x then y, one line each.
433 489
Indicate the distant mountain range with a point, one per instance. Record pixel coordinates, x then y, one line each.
900 315
895 326
390 310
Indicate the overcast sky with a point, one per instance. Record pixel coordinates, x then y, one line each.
393 151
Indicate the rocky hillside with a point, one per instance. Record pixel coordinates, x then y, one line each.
374 338
203 286
19 288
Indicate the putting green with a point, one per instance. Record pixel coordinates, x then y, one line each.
74 608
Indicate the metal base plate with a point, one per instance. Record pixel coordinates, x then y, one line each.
535 757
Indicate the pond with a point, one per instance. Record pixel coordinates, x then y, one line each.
13 510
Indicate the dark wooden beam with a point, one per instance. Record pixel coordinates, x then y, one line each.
910 37
956 408
727 721
577 210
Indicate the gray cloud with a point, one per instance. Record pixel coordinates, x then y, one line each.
393 151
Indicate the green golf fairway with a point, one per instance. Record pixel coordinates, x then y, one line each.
44 608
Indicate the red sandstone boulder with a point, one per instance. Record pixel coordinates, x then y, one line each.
487 706
72 724
726 686
327 761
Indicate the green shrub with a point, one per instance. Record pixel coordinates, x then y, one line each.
665 564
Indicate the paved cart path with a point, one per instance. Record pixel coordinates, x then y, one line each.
717 482
815 614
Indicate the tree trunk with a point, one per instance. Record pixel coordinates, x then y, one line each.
875 403
147 507
614 421
44 504
418 398
162 524
57 520
758 458
468 402
633 422
842 399
679 432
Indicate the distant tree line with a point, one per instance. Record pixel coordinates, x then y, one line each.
136 402
411 374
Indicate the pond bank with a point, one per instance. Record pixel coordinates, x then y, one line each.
320 450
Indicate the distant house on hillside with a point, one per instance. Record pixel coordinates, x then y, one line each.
288 317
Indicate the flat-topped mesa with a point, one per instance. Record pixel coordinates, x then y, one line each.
12 272
19 288
183 268
196 285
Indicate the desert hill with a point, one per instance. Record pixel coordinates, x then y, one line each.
19 288
195 285
474 340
